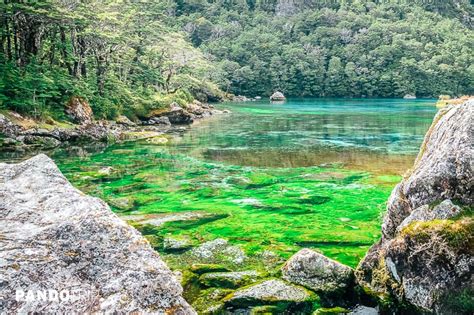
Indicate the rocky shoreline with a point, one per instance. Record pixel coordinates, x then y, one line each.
18 133
423 264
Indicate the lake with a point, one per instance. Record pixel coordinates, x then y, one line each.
306 173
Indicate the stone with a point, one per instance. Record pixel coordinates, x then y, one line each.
443 169
8 128
425 258
205 268
172 244
364 310
178 115
44 142
409 97
229 280
79 111
219 250
317 272
123 120
55 237
269 292
445 210
160 140
164 121
277 96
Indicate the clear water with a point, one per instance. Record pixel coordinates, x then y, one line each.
279 177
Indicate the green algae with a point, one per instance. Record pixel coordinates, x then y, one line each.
271 180
257 208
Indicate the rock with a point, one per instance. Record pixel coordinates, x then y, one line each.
364 310
331 311
123 120
160 140
219 250
171 244
442 170
57 238
409 97
205 268
241 98
425 257
211 248
139 135
229 280
163 121
106 171
269 292
123 203
8 128
45 142
317 272
445 210
79 110
178 115
277 96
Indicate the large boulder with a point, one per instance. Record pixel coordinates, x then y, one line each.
56 239
79 111
277 96
425 258
317 272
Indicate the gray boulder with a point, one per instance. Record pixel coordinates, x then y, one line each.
277 96
425 257
317 272
56 238
442 170
445 210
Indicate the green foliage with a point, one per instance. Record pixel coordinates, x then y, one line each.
117 55
335 48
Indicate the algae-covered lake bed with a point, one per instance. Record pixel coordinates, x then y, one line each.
269 179
307 173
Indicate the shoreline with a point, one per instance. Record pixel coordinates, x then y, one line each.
22 135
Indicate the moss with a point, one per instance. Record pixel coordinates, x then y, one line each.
460 302
331 311
458 232
206 268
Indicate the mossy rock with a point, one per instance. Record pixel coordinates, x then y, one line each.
206 268
331 311
229 279
209 300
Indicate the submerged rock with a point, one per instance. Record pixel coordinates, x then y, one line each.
229 279
171 244
317 272
56 238
219 250
269 292
425 257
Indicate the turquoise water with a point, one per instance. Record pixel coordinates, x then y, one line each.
279 177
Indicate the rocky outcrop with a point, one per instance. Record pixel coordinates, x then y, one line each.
317 272
425 257
277 96
55 238
79 110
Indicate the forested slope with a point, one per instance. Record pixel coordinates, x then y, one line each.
117 54
336 48
135 56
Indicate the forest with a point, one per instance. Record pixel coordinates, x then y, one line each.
130 57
